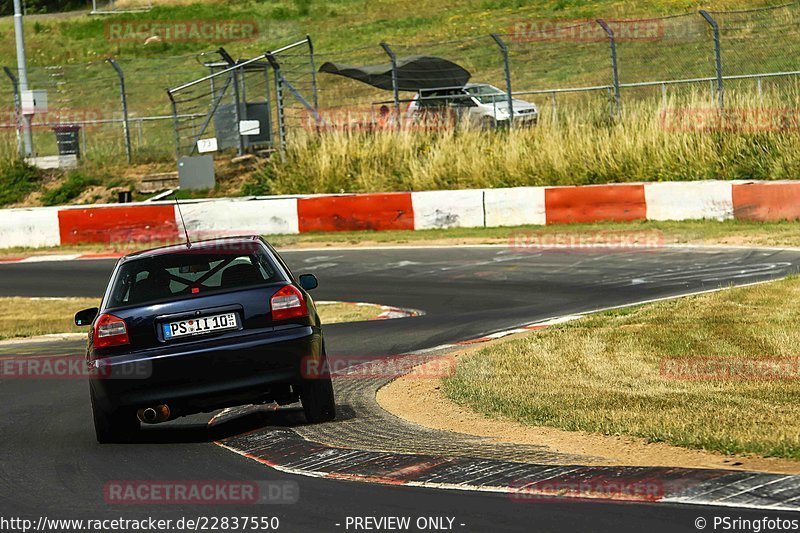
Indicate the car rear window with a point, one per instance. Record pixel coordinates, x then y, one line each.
191 272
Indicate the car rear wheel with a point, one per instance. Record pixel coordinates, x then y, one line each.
317 398
113 426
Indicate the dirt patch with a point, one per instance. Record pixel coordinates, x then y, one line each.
421 401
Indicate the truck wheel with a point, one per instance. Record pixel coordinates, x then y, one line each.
113 426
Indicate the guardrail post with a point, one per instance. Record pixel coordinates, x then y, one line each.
276 68
717 57
395 88
507 73
313 71
614 67
17 112
124 98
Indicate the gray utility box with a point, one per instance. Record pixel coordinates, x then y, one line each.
226 129
196 172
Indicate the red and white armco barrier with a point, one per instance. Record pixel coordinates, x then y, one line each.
158 221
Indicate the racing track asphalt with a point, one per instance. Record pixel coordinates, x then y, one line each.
50 464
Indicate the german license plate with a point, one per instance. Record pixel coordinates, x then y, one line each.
199 326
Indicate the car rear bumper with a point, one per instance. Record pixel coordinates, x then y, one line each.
207 376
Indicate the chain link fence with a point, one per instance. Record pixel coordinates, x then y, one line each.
588 69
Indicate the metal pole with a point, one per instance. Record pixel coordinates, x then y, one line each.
507 72
276 67
175 126
555 107
124 98
313 71
718 57
615 71
22 68
237 112
269 105
17 112
395 88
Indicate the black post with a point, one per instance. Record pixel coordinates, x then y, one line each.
717 56
395 88
614 67
507 70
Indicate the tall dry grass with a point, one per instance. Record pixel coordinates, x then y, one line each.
685 140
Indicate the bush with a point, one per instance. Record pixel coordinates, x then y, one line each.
17 180
72 187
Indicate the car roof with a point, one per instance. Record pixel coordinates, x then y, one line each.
467 86
195 246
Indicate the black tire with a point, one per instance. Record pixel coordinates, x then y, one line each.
113 426
317 398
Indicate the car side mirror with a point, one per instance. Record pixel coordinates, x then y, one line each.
309 282
86 317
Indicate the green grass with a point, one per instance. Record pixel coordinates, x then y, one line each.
17 180
69 189
28 317
610 373
578 145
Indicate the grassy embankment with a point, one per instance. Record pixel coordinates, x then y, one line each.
718 372
581 146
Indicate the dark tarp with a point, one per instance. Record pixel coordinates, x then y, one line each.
413 73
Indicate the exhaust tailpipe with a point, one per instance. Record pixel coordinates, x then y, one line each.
154 415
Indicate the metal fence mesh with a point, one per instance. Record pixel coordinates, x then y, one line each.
565 68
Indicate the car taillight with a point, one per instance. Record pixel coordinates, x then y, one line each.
288 303
109 330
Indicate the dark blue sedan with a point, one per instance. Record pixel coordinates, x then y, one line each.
186 329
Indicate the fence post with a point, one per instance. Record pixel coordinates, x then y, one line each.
237 110
614 67
276 67
313 71
17 112
717 57
175 126
395 88
267 99
507 73
123 96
